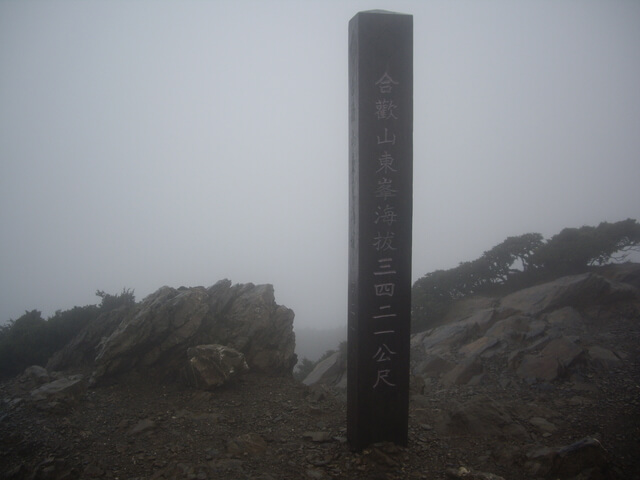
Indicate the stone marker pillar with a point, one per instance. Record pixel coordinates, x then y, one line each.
380 221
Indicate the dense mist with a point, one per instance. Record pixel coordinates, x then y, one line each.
145 144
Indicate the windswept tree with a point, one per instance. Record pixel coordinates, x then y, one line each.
513 250
521 261
575 249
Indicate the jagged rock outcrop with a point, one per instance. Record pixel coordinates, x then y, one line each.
537 335
154 336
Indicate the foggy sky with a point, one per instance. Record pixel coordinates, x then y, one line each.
152 143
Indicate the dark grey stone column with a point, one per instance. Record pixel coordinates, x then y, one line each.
380 223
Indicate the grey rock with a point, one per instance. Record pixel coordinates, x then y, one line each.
318 437
329 371
543 425
511 329
67 389
586 458
153 336
210 366
479 416
565 321
468 307
468 474
141 427
433 366
250 443
552 362
478 346
603 357
627 272
463 372
315 474
576 290
37 375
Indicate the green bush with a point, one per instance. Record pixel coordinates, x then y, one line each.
23 342
30 340
111 302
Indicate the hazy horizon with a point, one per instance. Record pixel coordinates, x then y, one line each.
149 143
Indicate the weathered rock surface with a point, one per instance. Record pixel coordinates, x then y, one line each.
211 366
539 334
249 443
59 395
466 474
36 374
552 362
585 459
330 371
577 290
153 336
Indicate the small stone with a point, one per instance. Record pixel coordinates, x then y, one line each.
315 474
142 426
543 425
317 436
250 443
93 470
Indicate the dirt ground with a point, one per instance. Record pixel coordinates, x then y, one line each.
265 428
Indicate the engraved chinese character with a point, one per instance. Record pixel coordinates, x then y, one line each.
383 376
383 354
384 265
384 189
385 84
385 110
386 139
386 162
384 289
384 332
385 313
386 215
383 242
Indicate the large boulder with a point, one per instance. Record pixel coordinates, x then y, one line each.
60 394
211 366
331 371
153 336
552 362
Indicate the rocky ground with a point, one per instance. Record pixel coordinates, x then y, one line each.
265 427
